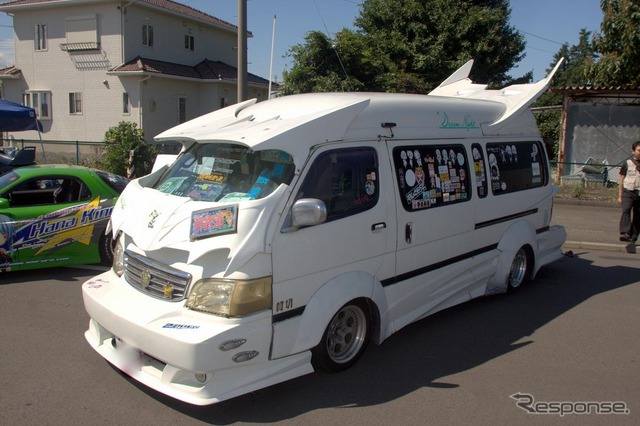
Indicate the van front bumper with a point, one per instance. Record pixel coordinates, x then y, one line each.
197 358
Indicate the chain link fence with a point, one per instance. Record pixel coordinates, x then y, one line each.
83 153
86 153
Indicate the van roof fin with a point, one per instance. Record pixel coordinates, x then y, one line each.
515 98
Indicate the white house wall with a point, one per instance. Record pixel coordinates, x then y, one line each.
168 39
62 72
155 108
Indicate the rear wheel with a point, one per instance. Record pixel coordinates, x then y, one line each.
519 270
345 338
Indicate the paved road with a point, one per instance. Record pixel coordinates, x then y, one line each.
572 336
590 226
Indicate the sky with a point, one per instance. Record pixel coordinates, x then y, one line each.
545 24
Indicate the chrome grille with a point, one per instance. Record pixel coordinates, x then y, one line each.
154 278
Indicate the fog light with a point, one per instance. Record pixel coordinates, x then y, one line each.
201 377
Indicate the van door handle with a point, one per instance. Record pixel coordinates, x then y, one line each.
378 226
408 232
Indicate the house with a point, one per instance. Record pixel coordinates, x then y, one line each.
86 65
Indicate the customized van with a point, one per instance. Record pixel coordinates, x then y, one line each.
291 233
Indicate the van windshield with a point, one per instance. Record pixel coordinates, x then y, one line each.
226 173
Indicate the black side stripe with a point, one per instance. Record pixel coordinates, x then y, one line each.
506 218
408 275
289 314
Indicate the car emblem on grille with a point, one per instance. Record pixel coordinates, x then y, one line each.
152 218
168 291
145 278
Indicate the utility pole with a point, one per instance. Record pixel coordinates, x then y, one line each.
242 51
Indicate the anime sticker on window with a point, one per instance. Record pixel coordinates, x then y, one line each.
479 170
430 176
516 166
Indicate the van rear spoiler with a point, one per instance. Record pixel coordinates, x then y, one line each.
515 98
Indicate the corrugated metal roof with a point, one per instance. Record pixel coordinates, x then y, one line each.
596 90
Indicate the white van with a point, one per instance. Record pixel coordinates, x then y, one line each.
290 233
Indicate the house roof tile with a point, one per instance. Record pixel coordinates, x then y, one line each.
168 5
205 70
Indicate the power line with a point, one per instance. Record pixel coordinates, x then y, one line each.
333 46
541 38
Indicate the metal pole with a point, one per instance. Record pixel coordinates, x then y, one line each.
273 37
242 50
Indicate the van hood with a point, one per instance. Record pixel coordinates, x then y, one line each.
160 225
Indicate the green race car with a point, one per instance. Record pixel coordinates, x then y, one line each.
52 215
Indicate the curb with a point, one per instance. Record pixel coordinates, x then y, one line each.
584 245
594 203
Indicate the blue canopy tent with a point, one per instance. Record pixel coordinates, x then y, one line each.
15 117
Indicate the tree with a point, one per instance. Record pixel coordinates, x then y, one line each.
578 59
409 46
119 141
618 45
319 64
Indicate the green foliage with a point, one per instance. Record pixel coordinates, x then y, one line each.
574 72
119 141
409 46
577 191
618 45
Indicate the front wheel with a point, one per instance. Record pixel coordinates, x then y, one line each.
345 338
519 270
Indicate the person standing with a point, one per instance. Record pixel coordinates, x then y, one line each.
629 197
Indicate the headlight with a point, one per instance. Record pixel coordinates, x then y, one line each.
230 298
118 256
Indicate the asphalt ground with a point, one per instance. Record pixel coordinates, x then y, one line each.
590 225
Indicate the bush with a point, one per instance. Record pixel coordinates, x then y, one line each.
577 191
119 141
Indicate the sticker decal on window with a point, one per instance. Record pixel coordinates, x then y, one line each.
431 175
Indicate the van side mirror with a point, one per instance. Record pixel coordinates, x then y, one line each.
308 212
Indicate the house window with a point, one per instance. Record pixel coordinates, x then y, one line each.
75 103
40 102
126 106
182 109
40 37
147 35
189 42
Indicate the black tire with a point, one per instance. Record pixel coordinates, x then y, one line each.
519 270
105 247
345 338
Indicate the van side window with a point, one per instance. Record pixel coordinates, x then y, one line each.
431 175
345 179
480 174
515 166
